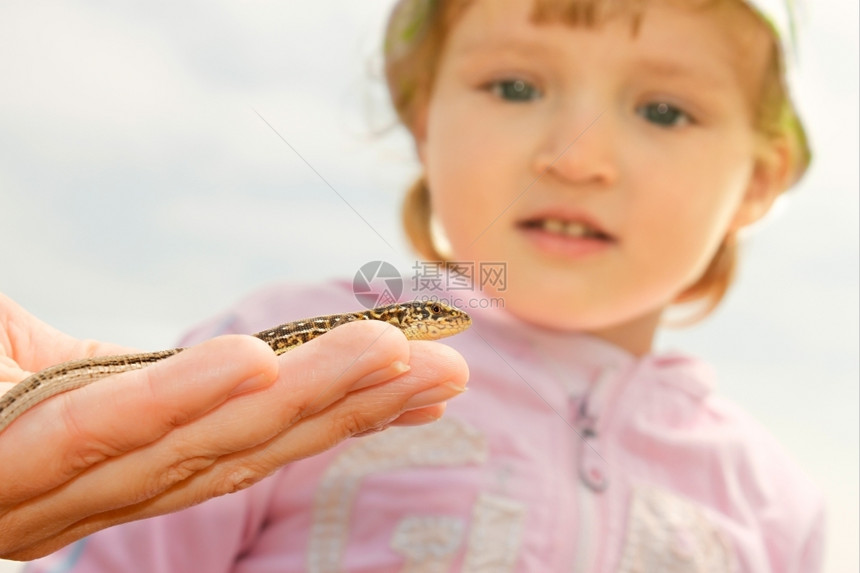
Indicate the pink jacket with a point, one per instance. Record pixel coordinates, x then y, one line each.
566 454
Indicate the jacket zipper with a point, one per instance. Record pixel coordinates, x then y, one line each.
589 485
584 556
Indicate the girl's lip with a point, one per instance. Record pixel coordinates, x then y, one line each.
559 245
565 233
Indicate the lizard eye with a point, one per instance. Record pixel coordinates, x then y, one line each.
436 309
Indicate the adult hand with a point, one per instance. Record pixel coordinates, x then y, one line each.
209 421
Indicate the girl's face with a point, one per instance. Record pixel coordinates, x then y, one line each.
604 167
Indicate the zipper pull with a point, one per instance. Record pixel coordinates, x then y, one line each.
592 467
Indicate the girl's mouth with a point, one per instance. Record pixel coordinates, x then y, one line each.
566 238
575 229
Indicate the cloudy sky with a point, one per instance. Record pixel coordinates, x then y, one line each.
140 192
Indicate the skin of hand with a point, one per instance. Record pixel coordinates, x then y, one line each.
210 421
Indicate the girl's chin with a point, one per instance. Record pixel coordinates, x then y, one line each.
553 317
553 312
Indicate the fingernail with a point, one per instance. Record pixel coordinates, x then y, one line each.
434 395
393 370
418 419
257 382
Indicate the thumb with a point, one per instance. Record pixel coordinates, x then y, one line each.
27 344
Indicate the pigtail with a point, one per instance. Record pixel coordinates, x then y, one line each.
416 218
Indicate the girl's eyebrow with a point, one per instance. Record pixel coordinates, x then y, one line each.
510 44
672 69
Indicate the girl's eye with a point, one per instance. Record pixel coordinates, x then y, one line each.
514 90
664 114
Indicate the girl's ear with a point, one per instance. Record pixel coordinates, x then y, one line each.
770 177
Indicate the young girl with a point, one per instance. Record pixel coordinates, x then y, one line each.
606 155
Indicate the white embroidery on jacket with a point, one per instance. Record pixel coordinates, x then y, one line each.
496 534
670 534
448 442
428 542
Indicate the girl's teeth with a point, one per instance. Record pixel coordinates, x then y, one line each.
554 226
571 229
575 229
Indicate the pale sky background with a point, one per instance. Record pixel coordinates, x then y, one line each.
140 193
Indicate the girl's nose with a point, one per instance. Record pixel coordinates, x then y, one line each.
578 149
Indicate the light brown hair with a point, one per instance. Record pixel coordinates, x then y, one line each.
415 38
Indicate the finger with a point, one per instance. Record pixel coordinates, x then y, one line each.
420 416
353 356
433 365
417 417
69 433
10 373
34 345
